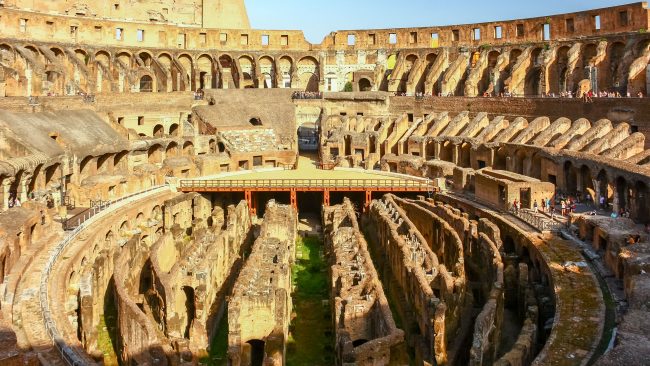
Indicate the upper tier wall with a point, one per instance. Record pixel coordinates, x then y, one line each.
209 13
34 26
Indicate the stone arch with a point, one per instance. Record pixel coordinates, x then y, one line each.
228 78
641 206
308 74
174 130
605 189
166 62
285 71
158 131
206 72
154 154
365 85
172 149
616 53
586 181
119 162
533 86
558 74
85 167
247 72
188 148
570 178
267 68
187 72
622 194
101 161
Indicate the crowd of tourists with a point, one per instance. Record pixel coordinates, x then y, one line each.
307 95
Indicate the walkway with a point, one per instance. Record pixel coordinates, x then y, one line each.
308 178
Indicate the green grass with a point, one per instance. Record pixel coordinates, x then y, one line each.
218 353
310 341
107 332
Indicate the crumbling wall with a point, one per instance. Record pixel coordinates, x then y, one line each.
407 259
365 330
260 306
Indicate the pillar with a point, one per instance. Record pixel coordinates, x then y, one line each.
326 198
366 205
294 200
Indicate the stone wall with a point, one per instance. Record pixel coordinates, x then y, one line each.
260 305
366 333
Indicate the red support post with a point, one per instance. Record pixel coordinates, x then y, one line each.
326 198
294 200
366 206
248 196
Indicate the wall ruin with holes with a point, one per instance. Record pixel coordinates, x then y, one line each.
365 330
260 305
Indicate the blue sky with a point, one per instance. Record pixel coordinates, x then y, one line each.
318 17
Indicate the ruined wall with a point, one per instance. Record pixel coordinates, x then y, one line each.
193 274
365 330
407 259
260 305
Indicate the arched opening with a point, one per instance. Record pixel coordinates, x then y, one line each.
570 178
247 70
85 167
616 54
212 146
365 85
172 149
190 306
621 193
586 182
446 151
257 352
207 74
188 148
604 189
173 130
221 147
286 69
146 84
359 342
268 72
158 131
154 154
227 72
186 72
255 121
641 198
520 162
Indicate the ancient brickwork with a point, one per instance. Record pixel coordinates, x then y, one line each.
260 305
365 330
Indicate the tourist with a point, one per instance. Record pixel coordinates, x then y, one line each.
543 204
563 207
602 202
535 206
514 205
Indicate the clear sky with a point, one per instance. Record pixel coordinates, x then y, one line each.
317 18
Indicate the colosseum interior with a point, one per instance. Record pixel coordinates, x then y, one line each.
178 188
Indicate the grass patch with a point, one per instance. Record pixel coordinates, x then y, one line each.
107 332
310 339
218 354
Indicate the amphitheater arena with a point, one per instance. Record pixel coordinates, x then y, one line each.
180 189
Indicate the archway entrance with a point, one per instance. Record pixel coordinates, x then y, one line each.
146 84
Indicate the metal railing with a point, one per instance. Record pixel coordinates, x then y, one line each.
310 184
68 354
536 221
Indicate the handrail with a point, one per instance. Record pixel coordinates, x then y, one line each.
307 183
68 354
536 221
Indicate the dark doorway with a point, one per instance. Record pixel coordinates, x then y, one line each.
257 352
